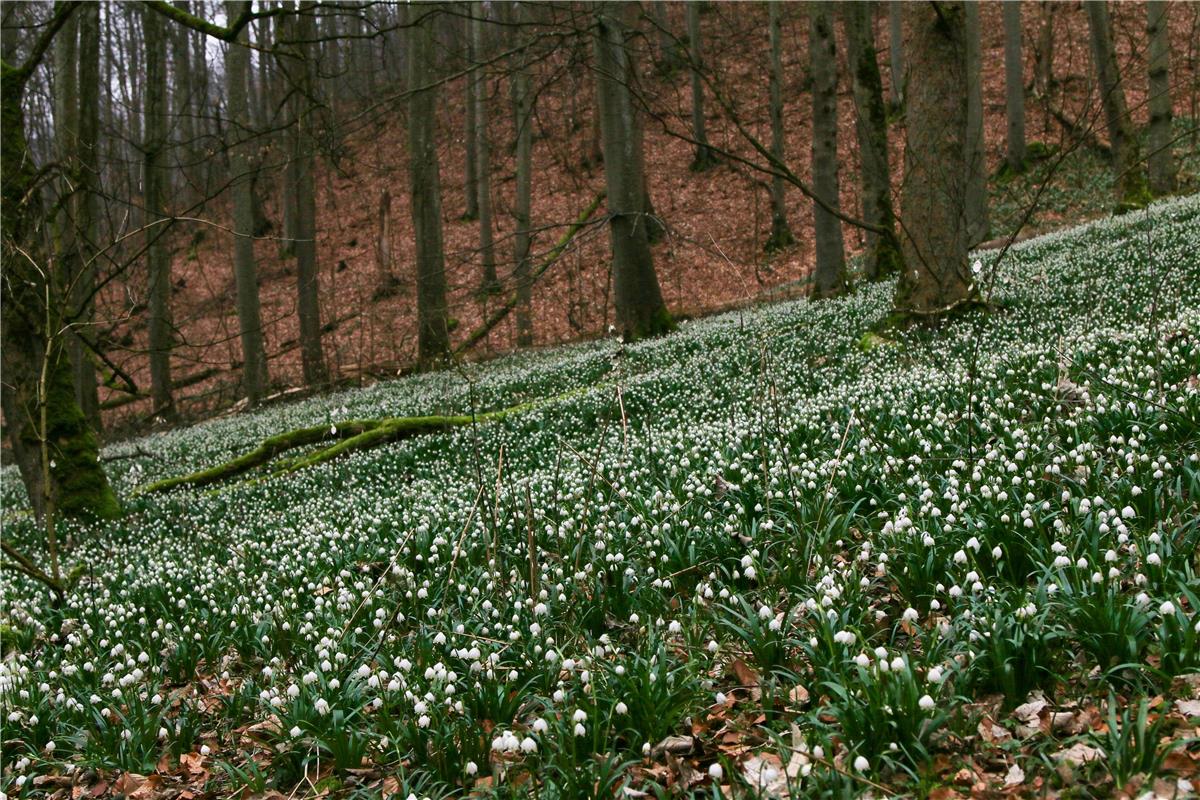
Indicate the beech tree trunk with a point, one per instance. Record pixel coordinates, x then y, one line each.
472 187
1043 61
704 157
896 52
158 259
308 303
487 249
882 254
829 274
781 233
31 352
87 213
184 110
640 310
1130 177
523 116
977 177
1162 165
245 269
1014 85
936 277
433 338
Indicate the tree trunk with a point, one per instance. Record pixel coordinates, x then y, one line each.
704 157
487 249
433 338
1014 86
385 279
1130 178
308 303
977 177
184 108
1162 156
523 116
781 234
640 311
896 52
78 485
472 188
1043 61
668 47
158 259
88 216
936 278
882 254
245 270
829 274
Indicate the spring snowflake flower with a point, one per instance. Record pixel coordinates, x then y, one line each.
861 764
715 771
296 732
926 703
1167 608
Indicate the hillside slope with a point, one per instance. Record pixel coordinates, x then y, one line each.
718 220
756 533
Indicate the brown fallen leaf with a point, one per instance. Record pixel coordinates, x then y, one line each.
1078 753
744 672
1188 708
1015 775
677 745
765 773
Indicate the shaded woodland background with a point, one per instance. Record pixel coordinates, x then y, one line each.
717 220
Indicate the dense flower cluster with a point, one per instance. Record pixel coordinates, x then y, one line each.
998 506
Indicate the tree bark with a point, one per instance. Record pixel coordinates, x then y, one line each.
640 310
184 108
29 347
704 157
245 269
829 274
472 84
487 248
308 303
1130 178
385 279
522 208
977 175
881 256
433 338
1014 86
781 233
936 278
158 259
1162 166
88 213
896 52
1043 62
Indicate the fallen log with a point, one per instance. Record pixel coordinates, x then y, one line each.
347 437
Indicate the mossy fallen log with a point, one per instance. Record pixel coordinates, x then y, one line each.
346 437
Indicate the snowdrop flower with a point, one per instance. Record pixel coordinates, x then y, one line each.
861 764
205 750
1167 608
580 730
715 772
621 708
926 703
934 675
910 615
296 732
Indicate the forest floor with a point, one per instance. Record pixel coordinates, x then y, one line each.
767 555
718 220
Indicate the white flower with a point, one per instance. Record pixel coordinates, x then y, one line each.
622 708
205 750
472 768
910 615
861 764
580 730
1167 609
296 732
934 675
580 715
926 703
715 772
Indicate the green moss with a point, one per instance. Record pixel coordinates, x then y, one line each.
660 323
871 340
81 487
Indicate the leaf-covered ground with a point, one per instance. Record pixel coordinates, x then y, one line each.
765 555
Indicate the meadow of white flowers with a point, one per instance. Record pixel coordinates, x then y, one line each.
759 551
